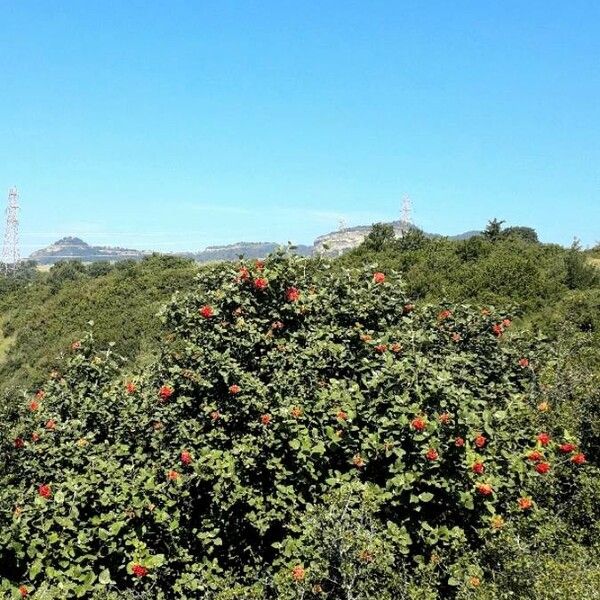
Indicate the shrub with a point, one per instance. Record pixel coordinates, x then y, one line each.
290 401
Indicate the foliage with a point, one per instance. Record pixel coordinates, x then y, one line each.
493 231
42 313
307 432
502 269
527 234
579 273
380 236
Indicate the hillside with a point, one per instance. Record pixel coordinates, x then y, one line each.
42 313
418 396
323 427
333 243
73 248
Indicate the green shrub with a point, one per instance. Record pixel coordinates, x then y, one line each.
305 433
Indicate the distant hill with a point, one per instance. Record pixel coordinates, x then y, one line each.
247 249
338 242
331 244
73 248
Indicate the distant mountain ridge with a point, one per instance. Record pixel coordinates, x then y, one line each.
329 244
247 249
74 248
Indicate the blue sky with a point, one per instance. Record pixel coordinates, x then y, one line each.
174 125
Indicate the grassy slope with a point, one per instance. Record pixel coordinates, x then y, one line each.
43 317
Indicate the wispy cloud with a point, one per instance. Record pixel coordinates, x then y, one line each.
332 218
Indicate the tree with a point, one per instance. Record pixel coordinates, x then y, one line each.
527 234
381 236
493 231
412 239
579 273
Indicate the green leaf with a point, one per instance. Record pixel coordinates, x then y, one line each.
104 577
35 569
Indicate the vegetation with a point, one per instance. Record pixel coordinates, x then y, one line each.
498 267
42 313
418 419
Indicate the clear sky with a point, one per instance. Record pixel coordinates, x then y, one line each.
174 125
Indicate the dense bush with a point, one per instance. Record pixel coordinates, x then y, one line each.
503 267
306 433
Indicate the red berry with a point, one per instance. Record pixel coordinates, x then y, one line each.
261 283
45 491
543 439
165 392
432 454
139 571
485 489
444 418
419 423
525 503
535 456
206 311
292 294
497 329
480 441
567 448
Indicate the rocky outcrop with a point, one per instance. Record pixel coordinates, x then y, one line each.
338 242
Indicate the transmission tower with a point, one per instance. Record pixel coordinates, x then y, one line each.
10 250
406 211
